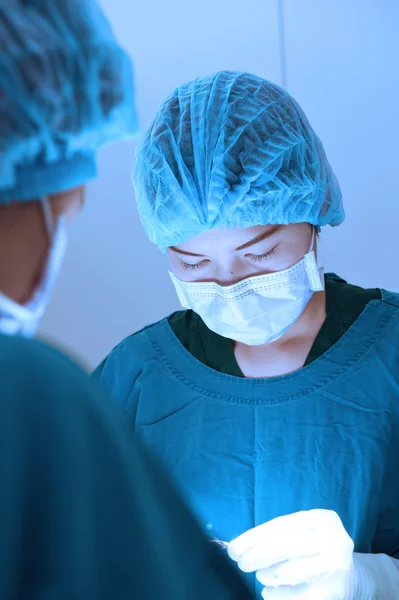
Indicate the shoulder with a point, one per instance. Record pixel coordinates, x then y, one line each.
123 365
34 358
135 347
384 318
45 383
389 305
349 299
391 299
344 292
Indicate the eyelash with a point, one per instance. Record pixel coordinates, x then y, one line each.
189 267
262 257
254 257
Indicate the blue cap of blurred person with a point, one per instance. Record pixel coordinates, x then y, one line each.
66 89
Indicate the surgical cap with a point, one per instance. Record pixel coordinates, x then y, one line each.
66 88
231 150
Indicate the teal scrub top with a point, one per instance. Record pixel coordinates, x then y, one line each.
244 451
86 513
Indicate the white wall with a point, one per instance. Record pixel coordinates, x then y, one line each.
342 67
342 62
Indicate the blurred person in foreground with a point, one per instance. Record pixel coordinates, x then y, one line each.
85 512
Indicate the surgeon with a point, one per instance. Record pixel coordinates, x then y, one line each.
273 396
85 513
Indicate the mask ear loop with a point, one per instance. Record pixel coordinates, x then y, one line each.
312 267
312 243
48 216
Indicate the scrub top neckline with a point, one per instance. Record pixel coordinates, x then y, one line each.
342 356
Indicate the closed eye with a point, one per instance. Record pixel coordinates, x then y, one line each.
189 267
262 257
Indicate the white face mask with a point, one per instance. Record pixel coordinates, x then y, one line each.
18 319
257 310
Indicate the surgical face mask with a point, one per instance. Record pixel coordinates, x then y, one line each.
257 310
18 319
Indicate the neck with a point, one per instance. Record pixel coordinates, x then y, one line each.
310 321
290 351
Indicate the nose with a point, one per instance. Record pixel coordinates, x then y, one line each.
229 277
229 268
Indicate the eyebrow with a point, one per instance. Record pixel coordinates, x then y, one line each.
260 237
185 252
255 240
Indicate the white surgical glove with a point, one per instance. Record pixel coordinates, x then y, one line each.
309 555
305 555
374 577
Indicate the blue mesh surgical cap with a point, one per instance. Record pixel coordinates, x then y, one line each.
231 150
66 88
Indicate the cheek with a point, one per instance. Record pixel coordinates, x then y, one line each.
294 250
175 265
187 274
295 255
286 257
68 204
173 262
72 208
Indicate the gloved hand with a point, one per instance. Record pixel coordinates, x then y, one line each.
309 555
304 555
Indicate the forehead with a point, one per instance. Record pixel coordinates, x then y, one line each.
223 238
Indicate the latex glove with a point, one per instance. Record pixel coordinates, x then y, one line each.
304 555
375 577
